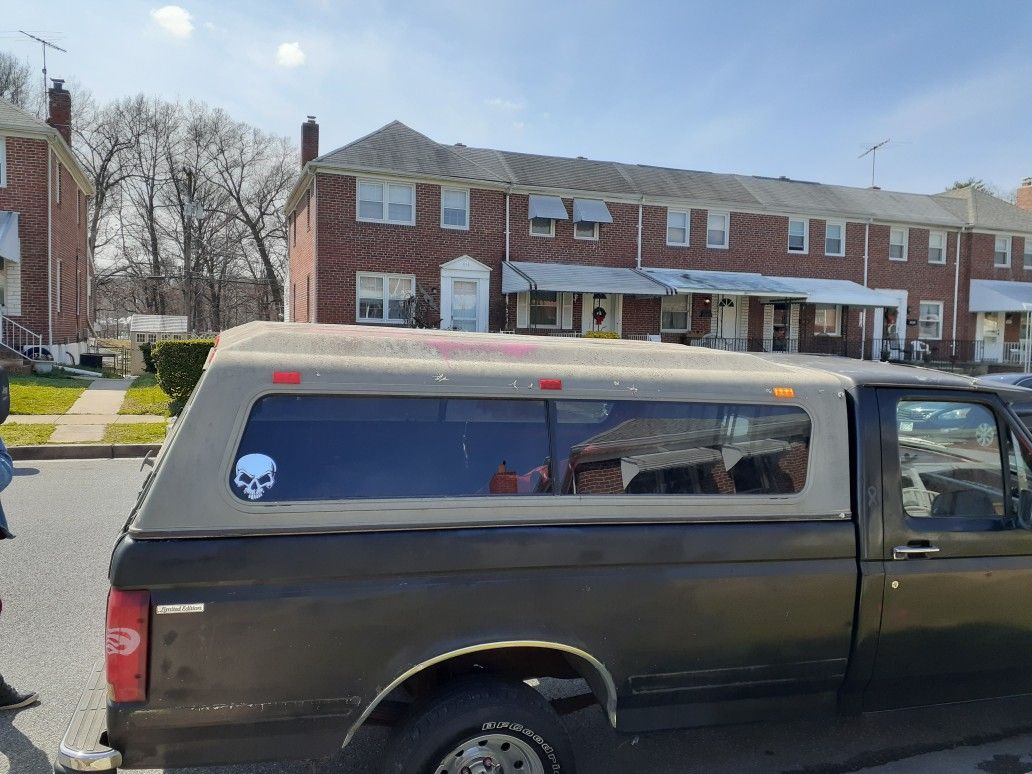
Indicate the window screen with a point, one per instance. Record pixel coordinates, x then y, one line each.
334 448
634 447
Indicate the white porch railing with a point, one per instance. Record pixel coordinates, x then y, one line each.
17 338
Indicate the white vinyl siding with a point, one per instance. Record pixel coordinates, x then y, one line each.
929 321
835 238
936 247
381 202
827 320
898 238
677 228
717 228
798 235
675 313
455 208
1002 252
381 298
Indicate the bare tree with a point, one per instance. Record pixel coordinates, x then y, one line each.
18 83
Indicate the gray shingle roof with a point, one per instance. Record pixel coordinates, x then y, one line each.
399 149
13 117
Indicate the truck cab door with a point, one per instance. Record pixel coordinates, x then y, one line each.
957 603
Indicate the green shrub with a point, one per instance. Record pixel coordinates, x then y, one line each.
148 358
601 335
179 365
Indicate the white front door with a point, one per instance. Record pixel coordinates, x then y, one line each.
889 331
989 329
465 307
465 283
611 307
726 311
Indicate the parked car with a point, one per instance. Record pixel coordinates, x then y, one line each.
1017 379
356 525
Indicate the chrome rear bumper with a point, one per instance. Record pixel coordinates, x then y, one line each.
82 748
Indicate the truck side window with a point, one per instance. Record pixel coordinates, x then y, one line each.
950 462
323 447
639 447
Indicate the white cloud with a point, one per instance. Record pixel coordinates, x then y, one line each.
505 104
290 55
174 20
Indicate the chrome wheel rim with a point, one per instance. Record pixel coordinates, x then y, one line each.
985 434
491 754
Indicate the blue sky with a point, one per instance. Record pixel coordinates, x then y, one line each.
771 88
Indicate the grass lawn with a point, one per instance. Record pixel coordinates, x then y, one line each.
145 397
26 435
44 394
144 432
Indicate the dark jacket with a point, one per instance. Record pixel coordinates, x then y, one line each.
6 474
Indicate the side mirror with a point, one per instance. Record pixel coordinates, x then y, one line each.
5 395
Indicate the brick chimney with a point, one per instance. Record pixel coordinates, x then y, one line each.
60 109
1024 197
309 140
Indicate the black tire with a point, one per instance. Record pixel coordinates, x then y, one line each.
467 707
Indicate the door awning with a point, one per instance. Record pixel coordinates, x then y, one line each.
840 292
546 207
521 276
591 211
732 283
1000 296
10 243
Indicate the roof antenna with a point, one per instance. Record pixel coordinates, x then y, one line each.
873 150
46 44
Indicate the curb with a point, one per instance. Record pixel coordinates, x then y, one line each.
89 451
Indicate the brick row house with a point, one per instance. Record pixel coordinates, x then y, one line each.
396 229
46 271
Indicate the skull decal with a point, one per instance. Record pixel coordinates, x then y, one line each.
254 474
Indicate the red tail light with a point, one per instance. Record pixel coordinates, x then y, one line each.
128 624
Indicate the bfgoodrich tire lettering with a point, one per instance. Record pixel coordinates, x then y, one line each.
476 718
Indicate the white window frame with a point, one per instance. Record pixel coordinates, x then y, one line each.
57 183
919 334
806 236
386 277
551 228
385 189
1007 253
594 231
945 242
558 310
1027 254
838 319
58 293
3 161
464 192
727 229
905 244
688 319
687 227
842 241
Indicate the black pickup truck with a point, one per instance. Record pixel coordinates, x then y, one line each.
353 525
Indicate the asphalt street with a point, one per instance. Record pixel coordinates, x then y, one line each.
53 583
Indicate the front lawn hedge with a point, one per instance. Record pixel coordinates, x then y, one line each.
179 365
601 335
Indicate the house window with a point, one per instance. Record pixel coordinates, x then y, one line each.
382 298
1028 252
936 247
78 206
308 210
677 228
827 320
58 299
834 238
57 183
454 208
675 313
387 202
293 217
898 244
308 298
716 229
1002 252
585 229
929 321
544 309
3 162
542 227
798 235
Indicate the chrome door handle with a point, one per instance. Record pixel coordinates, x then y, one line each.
904 552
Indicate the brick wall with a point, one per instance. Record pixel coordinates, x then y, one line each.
301 253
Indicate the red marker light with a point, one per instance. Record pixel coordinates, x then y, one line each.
551 384
286 377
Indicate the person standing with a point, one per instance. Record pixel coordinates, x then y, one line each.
10 698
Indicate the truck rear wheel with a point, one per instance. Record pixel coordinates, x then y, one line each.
481 726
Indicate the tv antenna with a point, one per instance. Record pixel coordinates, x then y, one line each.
873 151
46 44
